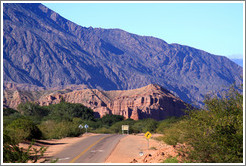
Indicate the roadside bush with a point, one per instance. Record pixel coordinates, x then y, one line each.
56 130
117 127
176 133
165 124
7 119
12 153
142 126
103 130
215 134
171 160
23 129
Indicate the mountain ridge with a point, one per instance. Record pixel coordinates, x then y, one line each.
44 49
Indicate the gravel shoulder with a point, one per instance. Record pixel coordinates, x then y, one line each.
130 147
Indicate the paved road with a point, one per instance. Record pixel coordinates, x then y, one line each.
94 149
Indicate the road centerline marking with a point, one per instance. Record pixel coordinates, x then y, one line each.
83 152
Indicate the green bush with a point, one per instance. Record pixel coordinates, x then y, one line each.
175 134
33 111
117 127
103 130
215 134
12 153
142 126
10 118
23 129
65 111
109 119
165 124
9 111
56 130
171 160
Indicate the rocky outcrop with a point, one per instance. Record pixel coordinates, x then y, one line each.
151 101
14 98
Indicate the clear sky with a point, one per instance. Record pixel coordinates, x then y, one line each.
213 27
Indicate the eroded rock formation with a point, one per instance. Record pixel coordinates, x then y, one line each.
151 101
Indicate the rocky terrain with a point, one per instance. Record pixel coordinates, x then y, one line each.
151 101
44 50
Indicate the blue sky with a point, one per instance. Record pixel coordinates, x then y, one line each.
213 27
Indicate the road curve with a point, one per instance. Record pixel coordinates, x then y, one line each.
94 149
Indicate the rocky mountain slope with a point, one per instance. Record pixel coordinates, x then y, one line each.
151 101
43 49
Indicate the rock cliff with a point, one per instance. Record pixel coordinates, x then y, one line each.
151 101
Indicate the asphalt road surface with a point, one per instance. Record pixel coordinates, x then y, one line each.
94 149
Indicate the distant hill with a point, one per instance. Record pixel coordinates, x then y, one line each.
43 49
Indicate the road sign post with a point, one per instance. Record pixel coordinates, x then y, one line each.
80 127
148 135
86 126
125 127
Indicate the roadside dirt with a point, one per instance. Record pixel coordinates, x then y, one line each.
131 147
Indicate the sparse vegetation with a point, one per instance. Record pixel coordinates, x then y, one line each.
171 160
213 134
12 153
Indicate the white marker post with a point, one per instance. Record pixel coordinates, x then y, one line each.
86 126
80 127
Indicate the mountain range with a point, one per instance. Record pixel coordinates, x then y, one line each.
41 49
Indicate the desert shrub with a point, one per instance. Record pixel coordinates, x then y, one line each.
165 124
9 111
103 130
65 111
12 153
171 160
33 111
7 119
175 133
215 134
23 129
117 127
55 130
142 126
109 119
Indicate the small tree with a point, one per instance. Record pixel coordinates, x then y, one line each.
67 111
215 134
23 129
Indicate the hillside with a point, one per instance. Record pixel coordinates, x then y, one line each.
43 49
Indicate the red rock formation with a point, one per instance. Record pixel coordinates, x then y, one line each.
151 101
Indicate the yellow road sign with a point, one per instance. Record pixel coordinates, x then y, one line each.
148 135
